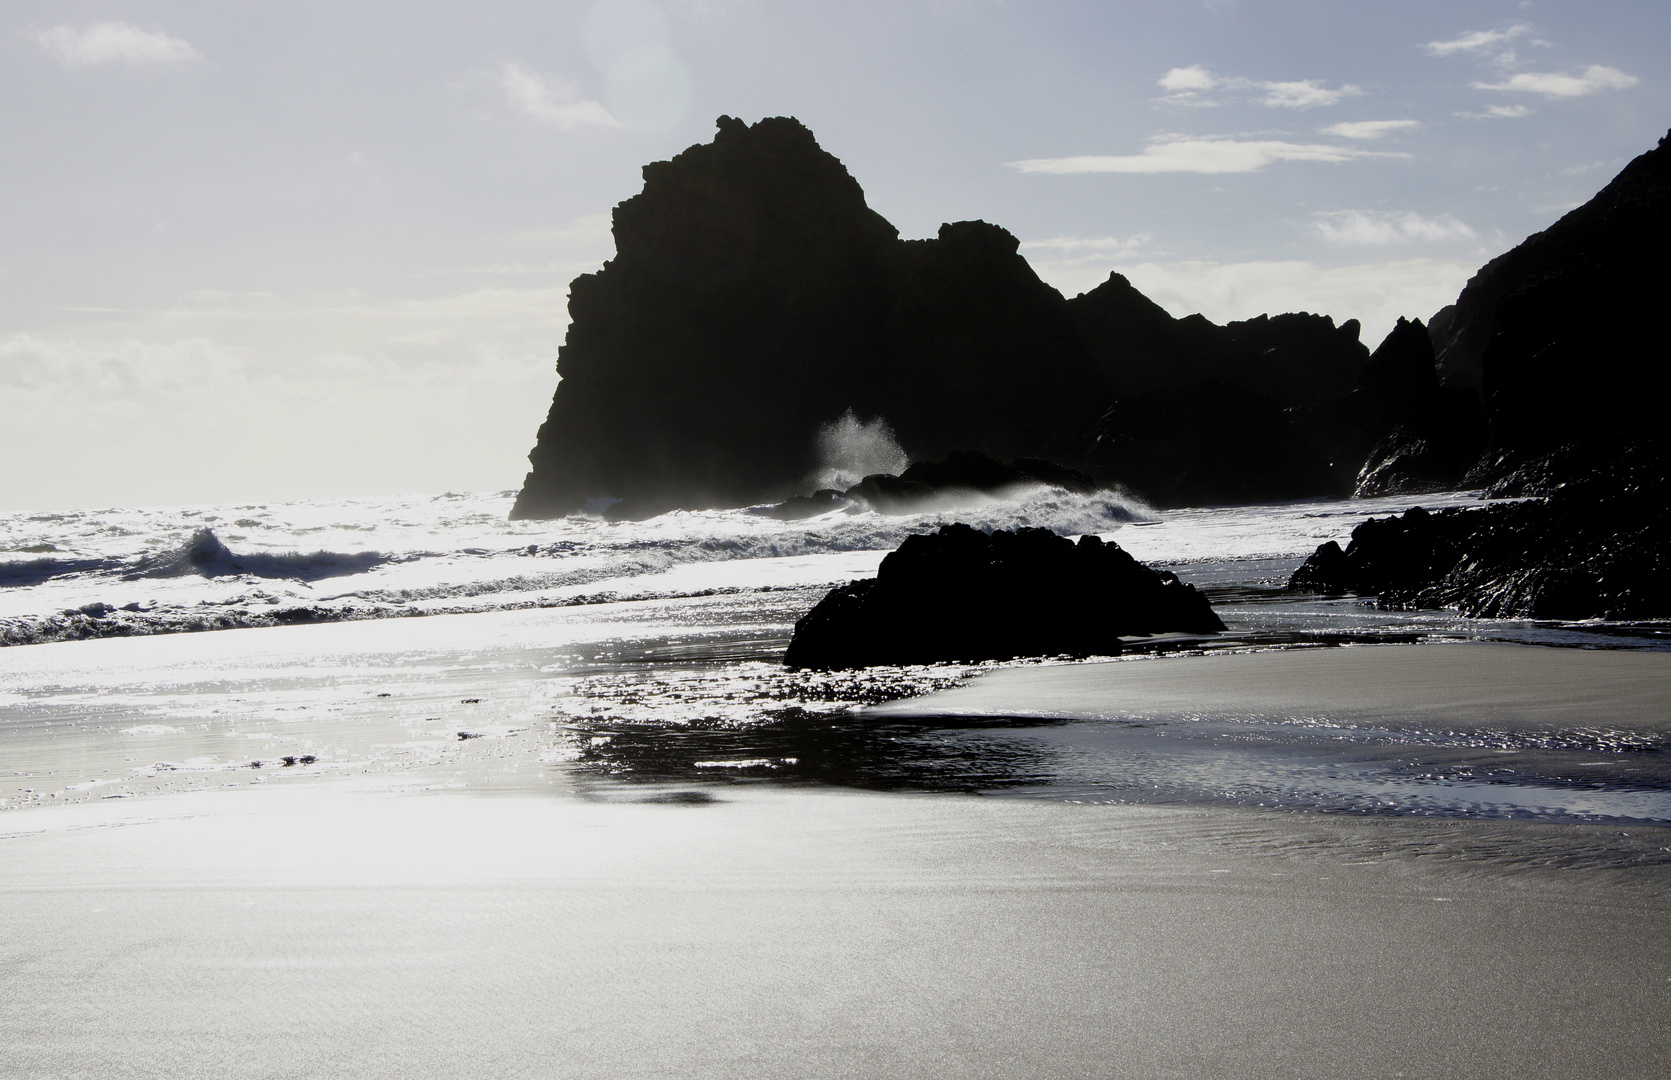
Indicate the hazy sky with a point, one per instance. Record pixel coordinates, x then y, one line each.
254 250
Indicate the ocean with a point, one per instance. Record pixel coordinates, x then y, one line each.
431 638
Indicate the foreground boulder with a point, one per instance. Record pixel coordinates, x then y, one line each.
1595 548
958 594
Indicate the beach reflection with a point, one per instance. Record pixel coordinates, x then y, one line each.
1199 761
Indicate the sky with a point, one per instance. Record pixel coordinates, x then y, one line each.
254 250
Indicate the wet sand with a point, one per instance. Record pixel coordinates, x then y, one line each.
361 929
1458 685
501 912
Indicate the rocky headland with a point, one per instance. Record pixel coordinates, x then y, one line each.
961 594
1557 341
755 298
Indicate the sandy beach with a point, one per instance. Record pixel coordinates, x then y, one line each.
360 931
504 917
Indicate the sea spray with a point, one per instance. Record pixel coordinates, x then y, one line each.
850 449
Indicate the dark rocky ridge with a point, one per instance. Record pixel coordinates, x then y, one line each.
1562 337
959 594
1596 548
1562 334
755 297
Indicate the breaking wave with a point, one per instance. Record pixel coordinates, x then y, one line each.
205 556
459 556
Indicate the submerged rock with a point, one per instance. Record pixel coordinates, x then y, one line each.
960 594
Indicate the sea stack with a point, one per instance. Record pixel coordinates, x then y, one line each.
754 297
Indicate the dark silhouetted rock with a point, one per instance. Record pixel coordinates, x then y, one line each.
1595 548
969 470
1137 347
1399 431
754 297
959 594
1208 444
1562 335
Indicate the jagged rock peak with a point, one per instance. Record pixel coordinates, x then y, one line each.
765 190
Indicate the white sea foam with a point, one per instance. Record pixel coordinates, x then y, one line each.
125 572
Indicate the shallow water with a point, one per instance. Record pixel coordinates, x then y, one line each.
649 653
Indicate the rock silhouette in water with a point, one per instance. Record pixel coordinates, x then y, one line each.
755 298
959 594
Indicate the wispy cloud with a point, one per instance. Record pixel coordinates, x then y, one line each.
1088 246
1556 84
1369 129
539 98
1307 94
1497 112
1177 153
1478 42
1193 86
106 42
1378 227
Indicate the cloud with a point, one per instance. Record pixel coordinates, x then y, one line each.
105 42
1189 86
1088 247
1307 94
1497 112
1379 227
1194 77
1556 84
533 96
1176 153
1477 42
116 369
1369 129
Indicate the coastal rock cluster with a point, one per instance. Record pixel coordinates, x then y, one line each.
960 594
1594 548
754 298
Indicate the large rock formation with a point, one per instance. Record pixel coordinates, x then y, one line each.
959 594
754 297
1561 335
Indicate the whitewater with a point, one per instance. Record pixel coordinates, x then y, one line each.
179 648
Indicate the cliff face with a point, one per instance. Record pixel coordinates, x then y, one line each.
1560 336
748 274
1586 287
755 297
